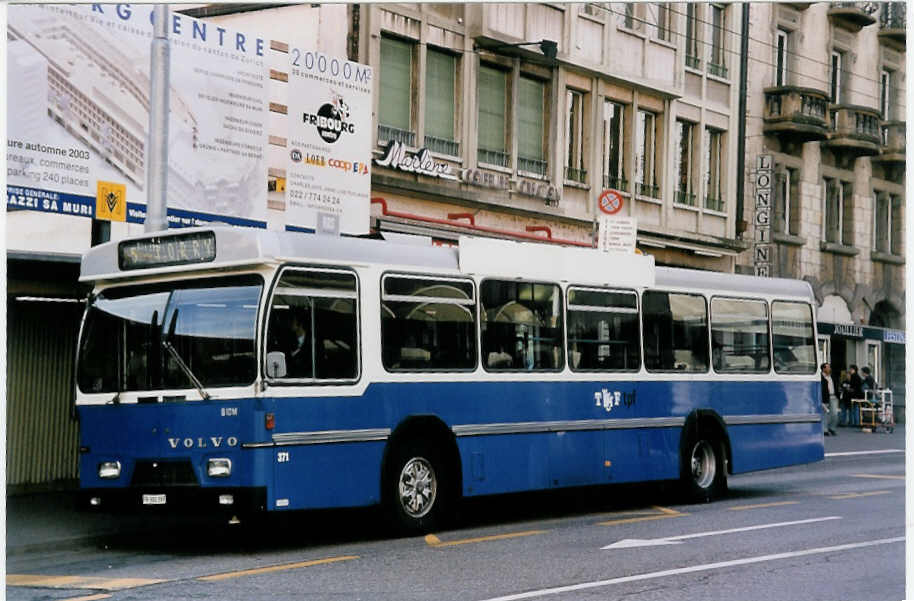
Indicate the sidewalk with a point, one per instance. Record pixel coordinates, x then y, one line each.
40 522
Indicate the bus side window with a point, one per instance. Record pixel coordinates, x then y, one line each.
739 335
313 321
794 342
603 330
675 332
521 326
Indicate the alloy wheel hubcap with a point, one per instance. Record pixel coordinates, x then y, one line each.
418 487
704 465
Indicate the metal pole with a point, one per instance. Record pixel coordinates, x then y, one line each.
157 141
741 136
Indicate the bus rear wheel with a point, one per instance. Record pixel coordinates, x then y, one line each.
416 493
704 475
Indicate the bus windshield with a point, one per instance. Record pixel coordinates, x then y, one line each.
135 337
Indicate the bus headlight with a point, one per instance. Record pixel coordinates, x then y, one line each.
219 467
109 470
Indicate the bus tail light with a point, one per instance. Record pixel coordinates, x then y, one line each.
109 470
270 421
219 467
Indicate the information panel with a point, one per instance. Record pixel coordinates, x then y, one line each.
78 115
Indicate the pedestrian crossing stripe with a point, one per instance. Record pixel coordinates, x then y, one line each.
78 582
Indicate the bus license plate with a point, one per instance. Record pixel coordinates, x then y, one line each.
153 499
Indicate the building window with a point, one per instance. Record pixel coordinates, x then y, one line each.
838 212
786 202
885 94
395 100
782 50
613 157
574 131
714 199
645 146
663 21
887 224
633 16
493 116
685 135
717 62
834 86
440 110
691 37
531 111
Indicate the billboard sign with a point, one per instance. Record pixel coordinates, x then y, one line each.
329 168
78 115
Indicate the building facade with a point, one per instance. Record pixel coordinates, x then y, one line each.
828 111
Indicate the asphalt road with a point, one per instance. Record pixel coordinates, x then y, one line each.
827 531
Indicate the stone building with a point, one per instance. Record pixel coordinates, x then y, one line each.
828 109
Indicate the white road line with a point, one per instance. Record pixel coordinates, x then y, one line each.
699 568
849 453
674 540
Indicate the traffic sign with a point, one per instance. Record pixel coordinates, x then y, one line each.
610 202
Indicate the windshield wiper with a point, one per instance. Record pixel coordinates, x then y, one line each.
166 344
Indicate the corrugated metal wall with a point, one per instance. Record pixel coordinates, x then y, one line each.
41 437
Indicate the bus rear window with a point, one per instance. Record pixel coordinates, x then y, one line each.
794 338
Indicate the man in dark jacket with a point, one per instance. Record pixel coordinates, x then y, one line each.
829 401
854 391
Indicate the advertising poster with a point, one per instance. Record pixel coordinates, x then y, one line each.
78 114
329 176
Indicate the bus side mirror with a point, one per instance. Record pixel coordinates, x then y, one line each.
276 364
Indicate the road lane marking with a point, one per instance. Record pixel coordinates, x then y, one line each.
675 540
855 495
277 568
665 513
692 569
79 582
851 453
433 541
762 505
666 510
879 476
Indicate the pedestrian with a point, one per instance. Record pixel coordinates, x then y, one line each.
829 401
869 382
844 415
854 391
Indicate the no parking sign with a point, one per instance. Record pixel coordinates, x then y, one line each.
610 202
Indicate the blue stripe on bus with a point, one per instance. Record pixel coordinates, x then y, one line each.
348 473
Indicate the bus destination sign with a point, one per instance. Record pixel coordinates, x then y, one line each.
164 251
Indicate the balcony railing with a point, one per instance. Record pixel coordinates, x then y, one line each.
442 146
685 198
389 134
714 204
692 62
893 143
649 190
493 157
893 22
535 166
575 175
852 15
796 113
615 183
855 130
717 70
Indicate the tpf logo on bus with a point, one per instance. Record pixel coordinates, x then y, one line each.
613 398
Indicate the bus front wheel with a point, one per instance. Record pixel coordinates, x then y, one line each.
704 475
415 488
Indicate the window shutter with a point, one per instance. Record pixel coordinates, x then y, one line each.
396 84
439 95
492 109
531 94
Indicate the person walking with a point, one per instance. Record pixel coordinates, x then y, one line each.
829 401
854 391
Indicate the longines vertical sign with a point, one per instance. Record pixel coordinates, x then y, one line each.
764 171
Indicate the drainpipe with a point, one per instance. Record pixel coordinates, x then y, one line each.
157 141
741 224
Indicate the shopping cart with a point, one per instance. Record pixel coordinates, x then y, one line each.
877 411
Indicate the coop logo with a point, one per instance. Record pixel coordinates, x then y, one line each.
331 120
203 443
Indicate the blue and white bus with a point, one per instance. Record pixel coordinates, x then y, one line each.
252 370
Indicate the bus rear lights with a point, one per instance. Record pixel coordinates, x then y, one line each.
270 421
109 470
219 467
95 501
226 500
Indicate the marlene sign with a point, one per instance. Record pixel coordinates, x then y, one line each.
330 143
78 113
396 157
